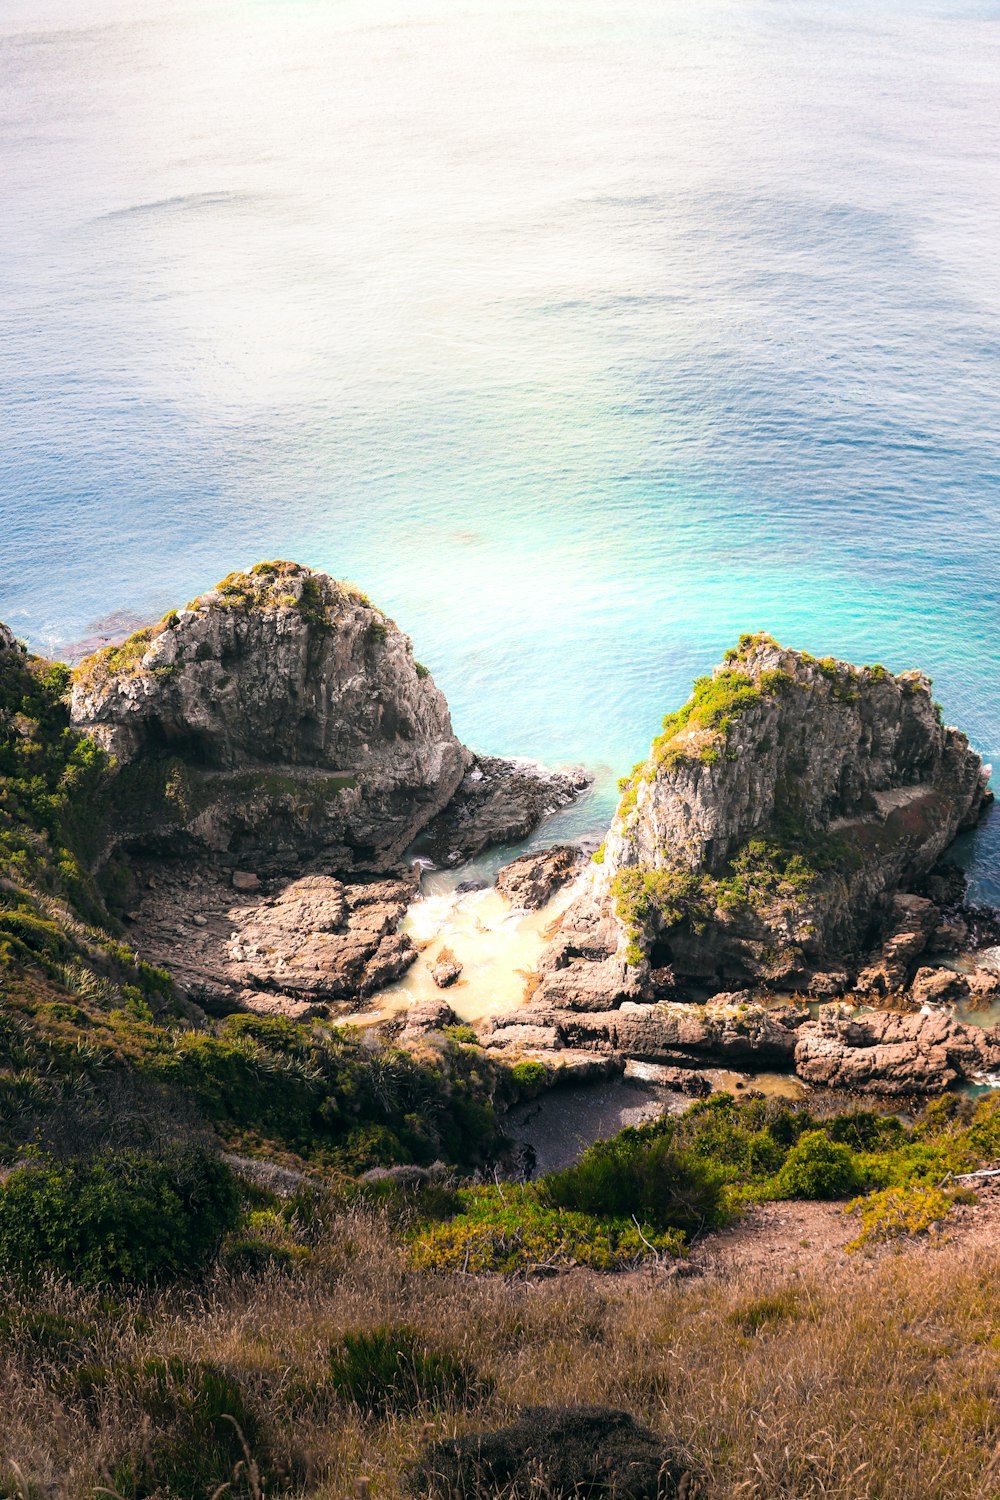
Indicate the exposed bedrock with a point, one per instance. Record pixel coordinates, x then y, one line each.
272 947
879 1051
282 717
765 836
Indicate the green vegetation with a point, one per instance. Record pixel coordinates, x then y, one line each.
642 1175
501 1230
391 1369
818 1167
714 706
118 1218
783 864
529 1077
199 1429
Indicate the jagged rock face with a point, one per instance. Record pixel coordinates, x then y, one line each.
779 812
291 715
8 640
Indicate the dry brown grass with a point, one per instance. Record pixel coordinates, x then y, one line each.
878 1380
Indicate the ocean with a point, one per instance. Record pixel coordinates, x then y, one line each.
583 337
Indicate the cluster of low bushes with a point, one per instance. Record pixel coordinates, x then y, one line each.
133 1217
651 1189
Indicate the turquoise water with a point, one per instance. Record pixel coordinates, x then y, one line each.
584 337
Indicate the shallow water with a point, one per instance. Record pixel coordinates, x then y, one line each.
498 948
583 336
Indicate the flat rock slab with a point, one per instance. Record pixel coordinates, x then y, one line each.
290 950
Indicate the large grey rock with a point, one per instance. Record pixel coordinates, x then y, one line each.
773 822
531 879
279 711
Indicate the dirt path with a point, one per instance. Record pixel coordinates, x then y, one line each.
793 1237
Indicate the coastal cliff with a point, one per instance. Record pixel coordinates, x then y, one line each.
279 713
777 815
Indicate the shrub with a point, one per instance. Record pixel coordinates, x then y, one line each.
392 1369
461 1033
645 1174
119 1218
503 1231
898 1211
760 1313
529 1076
194 1421
817 1167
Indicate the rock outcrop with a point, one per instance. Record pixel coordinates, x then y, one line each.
877 1052
766 835
284 948
279 712
499 801
531 879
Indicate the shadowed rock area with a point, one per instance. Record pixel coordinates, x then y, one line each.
553 1451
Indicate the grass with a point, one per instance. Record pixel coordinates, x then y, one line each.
874 1382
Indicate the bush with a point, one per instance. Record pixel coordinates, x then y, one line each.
529 1076
502 1231
645 1174
817 1167
896 1212
760 1313
391 1369
118 1218
193 1422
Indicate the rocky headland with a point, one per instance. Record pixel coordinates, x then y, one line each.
270 753
765 861
770 895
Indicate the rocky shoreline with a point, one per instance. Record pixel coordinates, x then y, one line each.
770 895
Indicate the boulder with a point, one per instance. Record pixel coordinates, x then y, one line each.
529 881
557 1452
937 987
446 969
425 1017
894 1054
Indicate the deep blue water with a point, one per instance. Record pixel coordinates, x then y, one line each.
584 337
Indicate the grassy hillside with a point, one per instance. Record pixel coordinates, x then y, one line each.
205 1291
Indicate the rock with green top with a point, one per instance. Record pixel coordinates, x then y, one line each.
278 711
765 835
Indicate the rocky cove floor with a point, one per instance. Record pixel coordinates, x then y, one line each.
308 947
